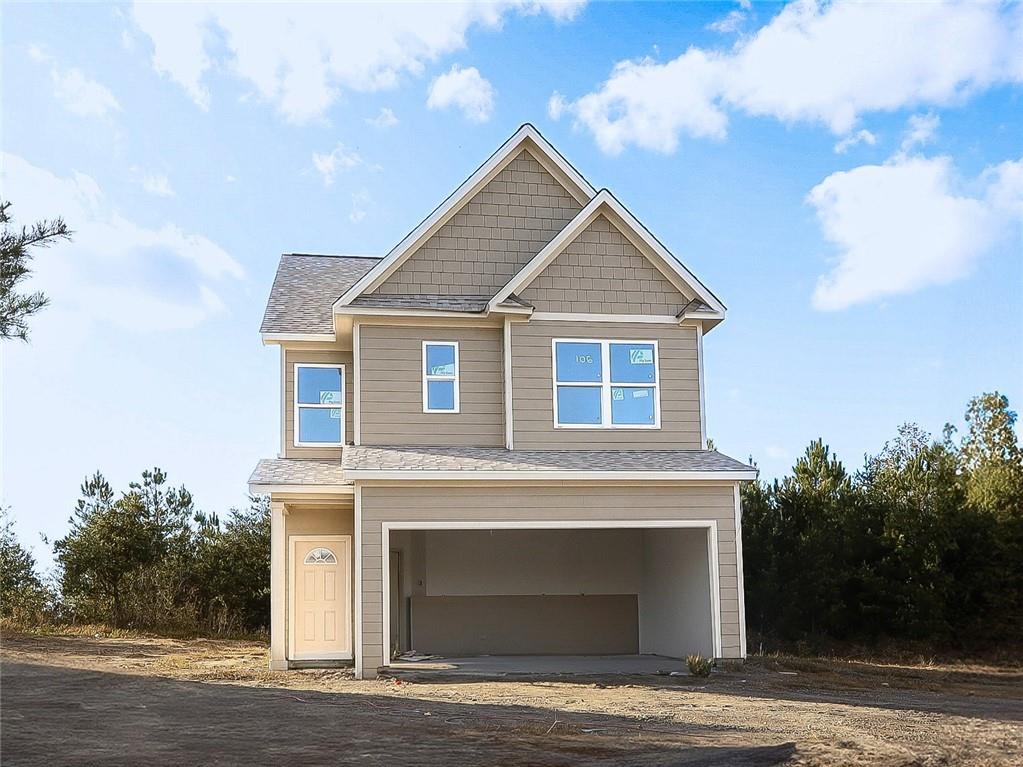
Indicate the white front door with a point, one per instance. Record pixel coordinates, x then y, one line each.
321 614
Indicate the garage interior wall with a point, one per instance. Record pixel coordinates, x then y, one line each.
590 591
674 601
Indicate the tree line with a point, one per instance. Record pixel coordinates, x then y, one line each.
146 559
923 543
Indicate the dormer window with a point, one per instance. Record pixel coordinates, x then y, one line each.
606 384
440 376
319 405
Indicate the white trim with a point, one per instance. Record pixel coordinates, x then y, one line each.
710 525
358 584
606 384
357 382
278 588
740 579
428 377
659 319
509 425
703 407
264 488
529 475
669 265
278 338
493 165
284 403
293 541
317 406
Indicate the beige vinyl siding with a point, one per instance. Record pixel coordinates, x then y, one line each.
533 396
549 502
316 356
491 237
337 518
391 380
602 272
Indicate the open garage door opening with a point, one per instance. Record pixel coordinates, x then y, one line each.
591 591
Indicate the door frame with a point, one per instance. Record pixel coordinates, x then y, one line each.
346 542
710 525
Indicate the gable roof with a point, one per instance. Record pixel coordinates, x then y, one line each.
527 137
304 291
605 203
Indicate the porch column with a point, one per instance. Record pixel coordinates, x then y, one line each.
278 587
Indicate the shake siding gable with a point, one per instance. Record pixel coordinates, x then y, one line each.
491 237
602 272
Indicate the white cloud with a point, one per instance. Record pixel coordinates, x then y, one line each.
908 224
555 106
115 270
920 130
77 92
854 139
301 56
826 63
733 21
336 161
385 119
466 89
360 203
157 184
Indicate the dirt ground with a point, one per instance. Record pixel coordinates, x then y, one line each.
211 701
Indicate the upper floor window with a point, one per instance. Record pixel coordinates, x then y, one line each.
319 405
440 376
606 384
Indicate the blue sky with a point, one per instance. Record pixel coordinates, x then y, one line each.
855 199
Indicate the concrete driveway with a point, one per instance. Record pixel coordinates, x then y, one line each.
55 715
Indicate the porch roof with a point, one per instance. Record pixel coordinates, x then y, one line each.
359 462
285 473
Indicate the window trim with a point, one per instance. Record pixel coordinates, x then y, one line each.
295 432
606 384
456 378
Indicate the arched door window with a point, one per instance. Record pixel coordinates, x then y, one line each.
320 556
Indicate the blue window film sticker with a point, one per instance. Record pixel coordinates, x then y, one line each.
440 395
579 405
632 363
632 406
319 386
578 362
440 360
319 424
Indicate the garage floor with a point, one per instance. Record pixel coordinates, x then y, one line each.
498 665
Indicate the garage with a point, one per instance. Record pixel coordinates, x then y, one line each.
551 589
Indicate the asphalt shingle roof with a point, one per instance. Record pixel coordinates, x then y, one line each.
469 459
293 471
305 289
423 301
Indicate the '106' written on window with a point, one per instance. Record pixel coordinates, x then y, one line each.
606 384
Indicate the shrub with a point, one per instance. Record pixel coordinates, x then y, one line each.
698 665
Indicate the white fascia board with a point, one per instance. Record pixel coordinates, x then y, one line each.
260 488
533 476
604 198
456 199
283 338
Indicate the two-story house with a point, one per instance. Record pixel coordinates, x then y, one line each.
493 438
